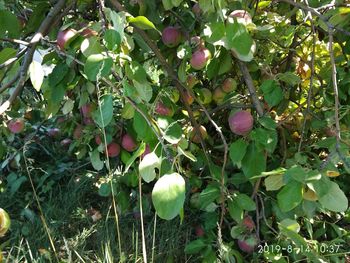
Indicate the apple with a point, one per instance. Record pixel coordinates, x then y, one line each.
188 97
64 36
5 222
199 231
229 85
88 121
78 132
98 139
241 122
200 58
191 81
87 109
88 32
53 132
128 143
248 223
171 36
205 96
163 110
194 136
113 149
66 142
16 125
242 16
218 95
248 244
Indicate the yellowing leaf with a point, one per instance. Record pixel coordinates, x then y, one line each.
310 195
274 182
332 173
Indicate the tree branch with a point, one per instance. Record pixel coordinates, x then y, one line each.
42 31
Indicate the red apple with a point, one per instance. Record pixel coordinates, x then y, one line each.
113 149
53 132
171 36
242 16
64 36
248 244
241 122
248 223
98 139
78 132
163 110
218 95
199 231
200 58
87 109
229 85
16 125
194 135
88 121
128 143
88 32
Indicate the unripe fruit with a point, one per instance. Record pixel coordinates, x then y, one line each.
188 97
163 110
205 96
15 125
242 16
241 122
200 58
248 244
113 149
229 85
199 231
128 143
219 95
64 36
53 132
171 36
194 135
248 223
5 222
78 132
175 95
66 142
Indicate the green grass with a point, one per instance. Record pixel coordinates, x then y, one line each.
75 236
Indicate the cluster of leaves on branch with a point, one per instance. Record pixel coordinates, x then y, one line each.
236 110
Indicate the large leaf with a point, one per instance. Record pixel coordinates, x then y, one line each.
245 202
173 133
335 199
208 195
9 24
148 165
105 116
168 195
97 64
36 73
195 246
144 90
290 196
95 160
143 130
254 162
142 22
272 92
238 38
237 151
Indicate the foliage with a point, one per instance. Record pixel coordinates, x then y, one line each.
65 111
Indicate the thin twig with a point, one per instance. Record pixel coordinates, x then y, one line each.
9 84
14 59
42 31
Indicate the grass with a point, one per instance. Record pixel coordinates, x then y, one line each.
76 237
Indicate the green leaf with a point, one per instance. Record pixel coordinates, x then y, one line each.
274 182
195 246
136 154
105 190
267 139
167 4
273 93
6 54
335 200
105 116
58 74
68 106
235 211
9 25
214 32
237 151
296 173
268 123
238 38
208 195
128 111
36 74
142 22
97 64
245 202
135 71
91 46
290 224
144 90
168 195
290 196
173 133
176 3
289 78
143 130
256 157
95 160
148 165
112 39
